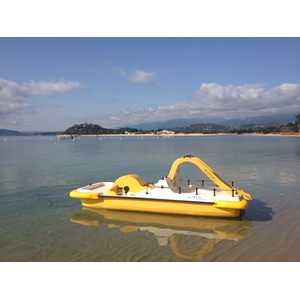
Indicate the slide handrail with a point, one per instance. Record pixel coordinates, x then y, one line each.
208 171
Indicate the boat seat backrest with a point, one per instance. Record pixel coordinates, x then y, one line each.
176 183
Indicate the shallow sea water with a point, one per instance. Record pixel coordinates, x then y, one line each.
39 222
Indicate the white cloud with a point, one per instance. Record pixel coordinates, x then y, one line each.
51 88
165 70
14 97
213 100
120 71
142 77
246 100
138 76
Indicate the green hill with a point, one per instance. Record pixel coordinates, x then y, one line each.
202 128
91 129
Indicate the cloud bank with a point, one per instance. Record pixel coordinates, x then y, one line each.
213 100
14 97
210 102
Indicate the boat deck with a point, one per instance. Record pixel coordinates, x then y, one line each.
159 190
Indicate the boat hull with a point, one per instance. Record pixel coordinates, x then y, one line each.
217 209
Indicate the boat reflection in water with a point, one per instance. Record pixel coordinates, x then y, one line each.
189 237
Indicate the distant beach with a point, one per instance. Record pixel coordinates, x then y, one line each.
180 135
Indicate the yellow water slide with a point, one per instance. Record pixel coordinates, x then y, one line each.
208 171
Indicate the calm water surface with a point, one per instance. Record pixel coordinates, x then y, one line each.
40 222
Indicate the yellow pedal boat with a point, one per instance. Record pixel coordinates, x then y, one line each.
169 195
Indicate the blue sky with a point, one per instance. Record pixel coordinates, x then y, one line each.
53 83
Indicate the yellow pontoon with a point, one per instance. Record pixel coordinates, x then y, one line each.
132 193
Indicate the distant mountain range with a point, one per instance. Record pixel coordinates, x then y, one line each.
265 120
185 125
7 132
242 122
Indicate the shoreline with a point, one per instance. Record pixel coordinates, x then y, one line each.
178 135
